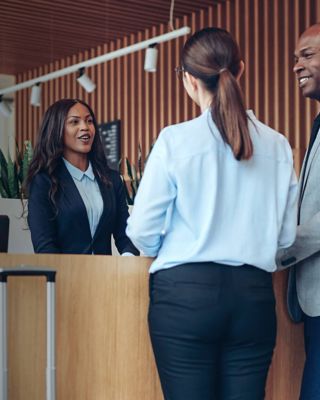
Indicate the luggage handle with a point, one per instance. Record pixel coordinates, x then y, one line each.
50 275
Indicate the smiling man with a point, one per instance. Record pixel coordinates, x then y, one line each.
304 254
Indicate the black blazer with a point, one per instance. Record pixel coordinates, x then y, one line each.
67 230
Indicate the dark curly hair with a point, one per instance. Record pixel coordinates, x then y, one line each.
49 147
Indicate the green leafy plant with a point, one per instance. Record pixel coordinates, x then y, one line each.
134 173
14 172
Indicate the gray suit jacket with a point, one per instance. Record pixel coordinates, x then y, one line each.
304 254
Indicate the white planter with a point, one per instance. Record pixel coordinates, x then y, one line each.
19 233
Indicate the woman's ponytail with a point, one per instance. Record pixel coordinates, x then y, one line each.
229 114
213 56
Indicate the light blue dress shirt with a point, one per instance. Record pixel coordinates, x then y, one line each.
89 190
197 203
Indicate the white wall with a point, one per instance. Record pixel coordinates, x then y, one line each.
19 233
7 124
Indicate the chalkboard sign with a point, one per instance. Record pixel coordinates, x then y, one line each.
110 137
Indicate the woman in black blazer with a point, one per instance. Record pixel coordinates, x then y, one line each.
76 202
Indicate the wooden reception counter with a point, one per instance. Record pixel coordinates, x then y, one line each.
103 350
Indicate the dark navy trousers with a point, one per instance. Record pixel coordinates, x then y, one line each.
213 331
310 388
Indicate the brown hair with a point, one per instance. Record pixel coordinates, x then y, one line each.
213 56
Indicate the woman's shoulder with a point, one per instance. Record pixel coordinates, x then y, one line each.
185 138
42 177
269 142
40 183
260 128
189 125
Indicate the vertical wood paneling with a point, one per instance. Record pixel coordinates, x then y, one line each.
163 73
132 123
307 120
267 32
99 78
228 7
245 34
169 80
44 97
178 104
194 27
74 83
29 113
56 87
105 87
266 52
24 110
256 51
68 80
145 138
93 73
126 100
19 107
299 102
140 104
111 80
186 101
154 107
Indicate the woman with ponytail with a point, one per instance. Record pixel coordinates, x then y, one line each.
217 199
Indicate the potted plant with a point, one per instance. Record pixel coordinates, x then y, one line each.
12 175
14 172
134 173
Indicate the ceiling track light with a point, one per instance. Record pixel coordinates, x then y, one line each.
35 97
98 60
5 108
151 58
85 81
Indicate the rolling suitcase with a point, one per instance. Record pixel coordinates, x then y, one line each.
50 371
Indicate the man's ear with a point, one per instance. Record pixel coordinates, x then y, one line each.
192 80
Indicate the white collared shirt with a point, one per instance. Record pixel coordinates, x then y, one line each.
89 190
197 203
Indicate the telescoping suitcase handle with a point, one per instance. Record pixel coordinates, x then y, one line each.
51 369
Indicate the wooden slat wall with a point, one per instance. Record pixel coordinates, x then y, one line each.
267 31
